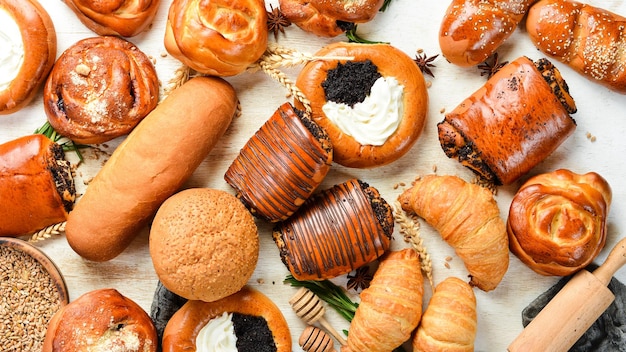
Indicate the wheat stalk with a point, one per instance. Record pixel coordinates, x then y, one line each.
410 229
45 233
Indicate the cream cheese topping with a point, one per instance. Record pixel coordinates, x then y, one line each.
12 53
375 119
218 335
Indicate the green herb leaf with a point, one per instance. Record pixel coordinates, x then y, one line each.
68 145
353 37
385 5
330 293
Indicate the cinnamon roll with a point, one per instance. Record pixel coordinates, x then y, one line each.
217 37
100 88
29 47
557 221
125 18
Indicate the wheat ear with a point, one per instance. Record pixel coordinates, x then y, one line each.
47 232
410 230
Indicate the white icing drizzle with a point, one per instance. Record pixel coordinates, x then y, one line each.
218 335
12 53
373 120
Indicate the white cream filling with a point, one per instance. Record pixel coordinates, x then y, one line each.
372 121
12 53
218 335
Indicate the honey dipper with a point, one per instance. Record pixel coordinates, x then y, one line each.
314 339
310 309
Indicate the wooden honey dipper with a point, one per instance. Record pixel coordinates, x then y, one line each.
314 339
310 309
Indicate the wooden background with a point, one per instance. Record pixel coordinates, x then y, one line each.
409 25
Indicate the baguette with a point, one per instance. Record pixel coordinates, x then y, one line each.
588 39
150 165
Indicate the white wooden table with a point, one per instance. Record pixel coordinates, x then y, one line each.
408 25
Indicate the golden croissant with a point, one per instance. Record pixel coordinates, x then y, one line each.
449 322
468 219
391 307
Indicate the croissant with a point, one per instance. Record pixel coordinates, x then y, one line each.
589 39
449 322
391 307
557 221
468 219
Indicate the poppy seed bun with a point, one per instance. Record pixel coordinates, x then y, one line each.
204 244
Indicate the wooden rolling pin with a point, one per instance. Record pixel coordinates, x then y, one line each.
573 310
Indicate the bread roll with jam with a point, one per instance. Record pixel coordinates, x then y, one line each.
36 185
101 320
125 18
217 37
329 18
484 132
589 39
281 165
373 104
100 88
557 221
29 47
335 231
244 321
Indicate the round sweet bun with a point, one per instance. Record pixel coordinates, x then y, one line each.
124 18
557 221
218 37
390 62
183 327
101 320
36 41
204 244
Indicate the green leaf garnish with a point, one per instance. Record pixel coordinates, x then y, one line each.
67 144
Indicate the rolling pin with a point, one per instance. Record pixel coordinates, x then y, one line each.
573 310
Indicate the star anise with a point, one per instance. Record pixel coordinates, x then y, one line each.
491 66
276 21
424 62
360 280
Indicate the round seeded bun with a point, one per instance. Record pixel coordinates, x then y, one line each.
204 244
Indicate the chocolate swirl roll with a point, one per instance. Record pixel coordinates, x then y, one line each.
281 165
100 88
335 231
125 18
557 221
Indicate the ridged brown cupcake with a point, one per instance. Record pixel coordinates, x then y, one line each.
281 165
335 231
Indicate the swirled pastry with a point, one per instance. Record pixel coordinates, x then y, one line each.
329 18
281 165
29 47
513 122
99 89
335 231
557 221
217 37
125 18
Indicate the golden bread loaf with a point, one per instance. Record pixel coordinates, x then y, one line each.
468 218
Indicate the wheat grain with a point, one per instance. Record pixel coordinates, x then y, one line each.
410 230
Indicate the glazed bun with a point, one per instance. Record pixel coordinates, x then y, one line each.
217 37
184 327
29 46
557 221
333 89
100 88
204 244
124 18
102 320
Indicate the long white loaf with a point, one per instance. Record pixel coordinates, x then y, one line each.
151 164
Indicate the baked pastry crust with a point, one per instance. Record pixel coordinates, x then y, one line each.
557 221
101 320
40 48
183 327
100 88
391 62
322 17
281 165
125 18
210 40
510 124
